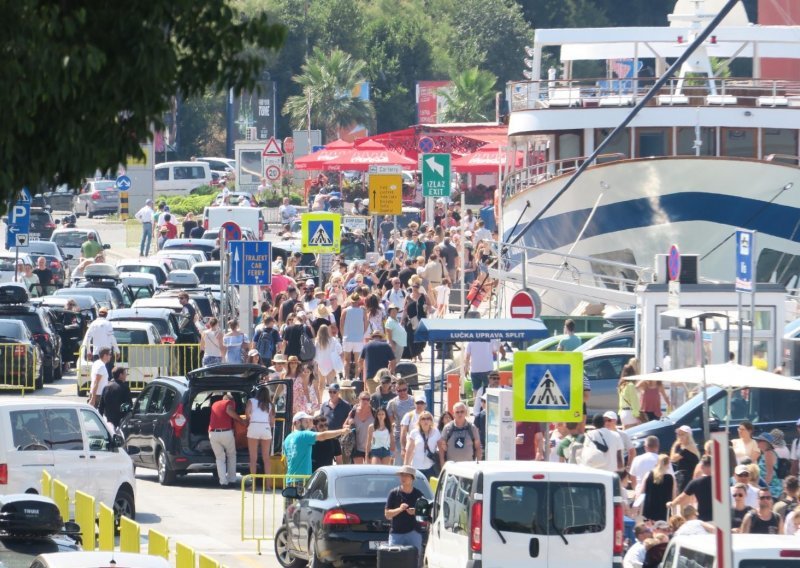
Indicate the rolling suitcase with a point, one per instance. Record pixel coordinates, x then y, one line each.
397 556
408 370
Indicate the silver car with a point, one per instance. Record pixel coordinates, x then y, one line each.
96 196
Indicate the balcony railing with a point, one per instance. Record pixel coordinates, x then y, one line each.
519 180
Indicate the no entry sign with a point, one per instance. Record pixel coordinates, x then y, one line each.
523 305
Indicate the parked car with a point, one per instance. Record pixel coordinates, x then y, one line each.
247 217
247 234
156 267
38 201
748 550
208 246
42 225
20 356
207 272
87 305
551 343
70 241
144 363
168 426
96 196
179 259
105 276
172 303
339 517
766 408
603 368
84 559
511 513
56 259
69 440
70 325
623 336
165 320
60 198
221 165
142 285
103 296
203 298
40 322
180 178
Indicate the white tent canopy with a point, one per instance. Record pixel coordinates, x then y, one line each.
727 376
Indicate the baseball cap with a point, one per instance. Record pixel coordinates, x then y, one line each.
334 387
310 282
684 428
661 525
420 398
301 416
741 470
611 415
386 379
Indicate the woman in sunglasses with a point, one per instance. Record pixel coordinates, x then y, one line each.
422 447
740 508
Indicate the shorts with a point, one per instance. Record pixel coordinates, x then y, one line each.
380 453
358 454
353 347
259 431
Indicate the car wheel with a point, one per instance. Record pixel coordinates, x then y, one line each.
49 374
89 213
58 373
124 505
314 559
166 476
39 381
284 553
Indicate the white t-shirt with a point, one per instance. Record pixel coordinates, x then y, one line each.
420 460
98 368
411 419
643 464
481 355
695 526
614 443
442 294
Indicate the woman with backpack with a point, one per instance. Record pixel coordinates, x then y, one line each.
422 447
768 464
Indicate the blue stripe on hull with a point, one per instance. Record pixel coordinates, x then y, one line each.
769 218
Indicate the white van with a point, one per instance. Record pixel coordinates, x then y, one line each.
179 178
246 217
749 551
503 513
72 442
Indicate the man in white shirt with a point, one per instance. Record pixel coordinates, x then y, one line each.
99 335
145 216
99 375
287 211
478 361
628 451
635 555
603 436
645 462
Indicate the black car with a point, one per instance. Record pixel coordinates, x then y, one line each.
41 323
167 429
55 257
42 224
167 322
38 200
203 298
20 356
339 517
59 198
121 292
766 408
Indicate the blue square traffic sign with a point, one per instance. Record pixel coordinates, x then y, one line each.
18 221
548 386
250 263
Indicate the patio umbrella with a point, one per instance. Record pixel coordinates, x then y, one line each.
366 154
319 160
486 159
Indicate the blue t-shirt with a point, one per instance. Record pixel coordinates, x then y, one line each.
297 449
570 343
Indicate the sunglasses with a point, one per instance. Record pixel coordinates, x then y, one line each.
765 497
425 419
402 390
738 494
461 411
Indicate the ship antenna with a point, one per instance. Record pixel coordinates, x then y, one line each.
639 106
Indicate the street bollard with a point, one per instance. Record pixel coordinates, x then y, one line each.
106 526
123 205
129 535
84 516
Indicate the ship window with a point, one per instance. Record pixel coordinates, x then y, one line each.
777 266
653 142
739 142
621 143
687 136
782 142
568 146
615 277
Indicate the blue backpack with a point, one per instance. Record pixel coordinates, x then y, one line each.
265 344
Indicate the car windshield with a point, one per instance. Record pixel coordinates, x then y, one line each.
131 336
11 329
42 247
31 319
103 297
161 325
7 265
154 270
375 486
105 185
40 218
206 274
72 239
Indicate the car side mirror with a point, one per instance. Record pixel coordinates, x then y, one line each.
117 441
423 509
126 408
106 247
292 492
58 221
714 425
68 257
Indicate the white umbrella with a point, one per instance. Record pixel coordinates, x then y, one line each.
729 376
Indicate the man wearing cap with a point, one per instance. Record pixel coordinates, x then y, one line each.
222 439
396 334
400 509
287 307
411 418
310 301
335 410
700 489
602 436
635 555
297 445
628 451
384 393
101 334
145 216
376 355
742 476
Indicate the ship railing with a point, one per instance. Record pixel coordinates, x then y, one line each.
519 180
693 91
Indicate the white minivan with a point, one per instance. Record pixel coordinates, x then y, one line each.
179 178
749 551
504 513
72 442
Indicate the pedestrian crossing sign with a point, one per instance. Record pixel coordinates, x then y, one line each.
321 232
548 386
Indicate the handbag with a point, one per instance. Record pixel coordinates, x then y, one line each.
433 456
307 348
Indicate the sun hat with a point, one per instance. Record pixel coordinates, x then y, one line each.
420 398
685 429
407 470
765 437
301 416
611 415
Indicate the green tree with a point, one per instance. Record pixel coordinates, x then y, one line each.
201 123
85 83
327 83
471 97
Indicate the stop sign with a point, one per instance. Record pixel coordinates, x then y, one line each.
523 305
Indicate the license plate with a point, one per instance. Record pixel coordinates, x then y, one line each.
33 237
374 544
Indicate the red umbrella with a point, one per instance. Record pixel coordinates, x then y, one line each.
319 160
366 154
486 159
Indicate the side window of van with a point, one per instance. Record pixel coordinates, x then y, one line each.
181 172
154 406
96 431
197 172
140 406
456 505
29 430
162 174
669 557
688 558
781 406
65 429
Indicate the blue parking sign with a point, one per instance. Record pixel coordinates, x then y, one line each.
745 250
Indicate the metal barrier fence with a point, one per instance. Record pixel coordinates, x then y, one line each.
18 367
146 362
263 505
89 516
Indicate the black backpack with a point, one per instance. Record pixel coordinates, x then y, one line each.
468 428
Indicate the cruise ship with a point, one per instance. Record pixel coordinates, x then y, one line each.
714 150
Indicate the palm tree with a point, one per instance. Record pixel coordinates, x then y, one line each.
328 82
470 98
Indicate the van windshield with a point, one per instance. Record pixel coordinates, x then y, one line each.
548 508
